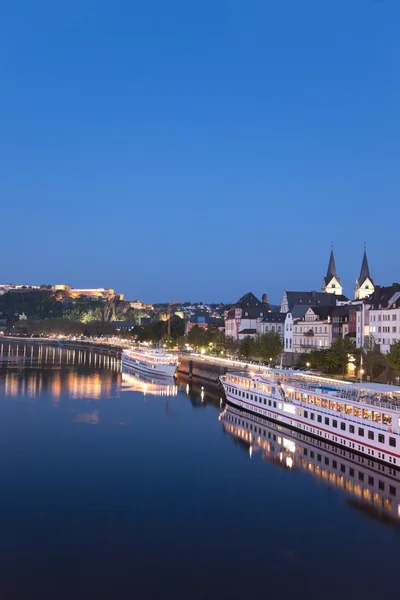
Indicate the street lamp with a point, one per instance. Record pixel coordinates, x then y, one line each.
307 365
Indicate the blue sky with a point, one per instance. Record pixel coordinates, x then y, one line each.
198 150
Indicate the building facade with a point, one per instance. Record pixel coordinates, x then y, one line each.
241 319
383 312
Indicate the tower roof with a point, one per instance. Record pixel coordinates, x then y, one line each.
364 273
331 272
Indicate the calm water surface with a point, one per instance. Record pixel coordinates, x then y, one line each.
112 487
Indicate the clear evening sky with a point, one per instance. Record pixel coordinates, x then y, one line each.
197 150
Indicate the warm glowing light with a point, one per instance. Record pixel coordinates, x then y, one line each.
289 462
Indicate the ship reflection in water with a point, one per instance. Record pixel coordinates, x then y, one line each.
149 386
369 485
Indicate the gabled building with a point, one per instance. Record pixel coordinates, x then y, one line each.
291 299
313 330
272 321
331 282
380 317
364 284
241 319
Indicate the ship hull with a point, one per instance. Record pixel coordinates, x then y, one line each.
157 370
296 420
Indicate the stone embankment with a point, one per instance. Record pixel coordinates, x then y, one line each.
197 368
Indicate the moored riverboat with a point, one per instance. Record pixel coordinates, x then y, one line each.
154 362
364 417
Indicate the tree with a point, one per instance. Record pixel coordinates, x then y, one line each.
269 346
168 341
393 357
247 347
340 351
197 336
372 358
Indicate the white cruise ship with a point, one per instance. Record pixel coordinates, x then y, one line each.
364 417
154 362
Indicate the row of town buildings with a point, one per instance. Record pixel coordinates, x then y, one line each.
313 320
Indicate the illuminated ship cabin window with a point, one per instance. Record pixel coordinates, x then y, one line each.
332 405
289 393
297 395
311 399
317 401
357 412
324 403
340 407
367 414
349 409
376 416
299 412
387 419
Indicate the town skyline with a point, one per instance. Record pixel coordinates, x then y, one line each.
274 296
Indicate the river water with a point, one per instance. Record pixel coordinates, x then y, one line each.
115 487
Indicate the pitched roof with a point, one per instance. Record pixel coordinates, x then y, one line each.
364 273
249 300
331 272
247 331
384 296
274 317
313 299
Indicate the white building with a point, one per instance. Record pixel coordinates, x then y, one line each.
313 331
241 319
272 321
384 316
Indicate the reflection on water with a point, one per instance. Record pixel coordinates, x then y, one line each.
29 370
149 386
371 486
157 487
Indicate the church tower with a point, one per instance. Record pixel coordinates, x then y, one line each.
364 284
331 282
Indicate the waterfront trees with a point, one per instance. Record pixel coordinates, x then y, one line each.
269 346
393 357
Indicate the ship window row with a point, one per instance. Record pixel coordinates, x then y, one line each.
261 387
369 415
352 429
250 396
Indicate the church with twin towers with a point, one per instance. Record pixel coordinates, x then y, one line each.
364 286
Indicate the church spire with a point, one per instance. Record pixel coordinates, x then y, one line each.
331 272
364 284
364 273
331 282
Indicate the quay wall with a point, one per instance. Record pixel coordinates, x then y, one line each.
197 368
